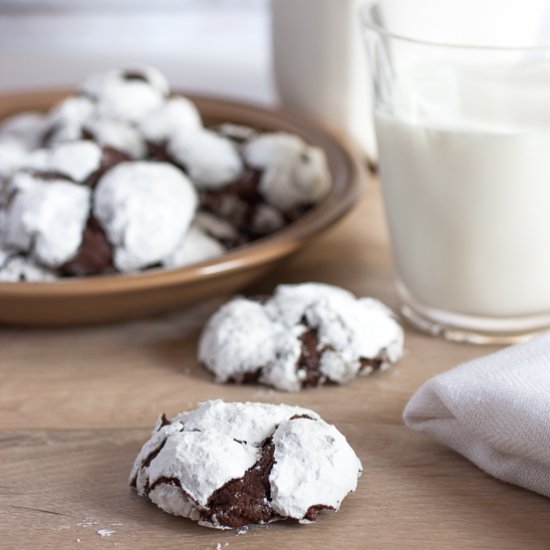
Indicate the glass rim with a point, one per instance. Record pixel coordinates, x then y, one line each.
366 11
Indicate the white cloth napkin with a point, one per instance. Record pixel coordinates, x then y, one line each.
495 411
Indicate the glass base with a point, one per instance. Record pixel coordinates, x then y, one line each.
457 327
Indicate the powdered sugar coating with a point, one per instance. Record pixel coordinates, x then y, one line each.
218 417
132 105
282 371
25 129
173 501
118 135
77 116
139 475
196 246
130 99
216 227
295 173
198 481
75 159
260 419
45 218
289 302
309 456
360 327
199 452
145 209
16 269
211 161
12 157
66 120
176 115
238 339
352 337
236 132
96 84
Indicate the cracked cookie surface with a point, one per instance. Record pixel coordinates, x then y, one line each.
227 465
303 336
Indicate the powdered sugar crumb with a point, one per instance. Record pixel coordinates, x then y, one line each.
87 522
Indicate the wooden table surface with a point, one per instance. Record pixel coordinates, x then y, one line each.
76 405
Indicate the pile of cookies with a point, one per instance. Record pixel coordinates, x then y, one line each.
124 176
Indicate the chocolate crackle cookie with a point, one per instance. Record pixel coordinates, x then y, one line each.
227 465
304 335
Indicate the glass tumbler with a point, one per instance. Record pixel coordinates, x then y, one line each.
461 92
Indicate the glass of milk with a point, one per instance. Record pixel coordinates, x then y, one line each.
461 92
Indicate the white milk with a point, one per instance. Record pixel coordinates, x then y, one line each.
465 166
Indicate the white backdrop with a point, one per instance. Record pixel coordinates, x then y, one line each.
217 46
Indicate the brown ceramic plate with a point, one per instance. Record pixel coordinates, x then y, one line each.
118 297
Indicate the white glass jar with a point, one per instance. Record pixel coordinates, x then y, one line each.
320 64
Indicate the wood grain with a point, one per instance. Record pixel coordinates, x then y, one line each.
76 404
